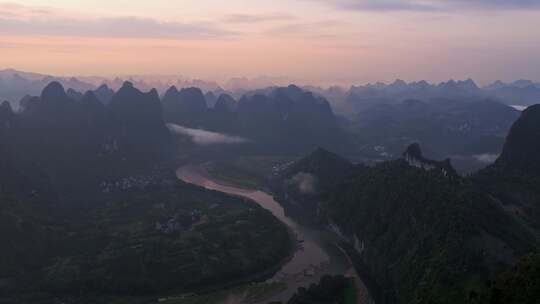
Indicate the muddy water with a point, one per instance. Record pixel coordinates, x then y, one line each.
316 254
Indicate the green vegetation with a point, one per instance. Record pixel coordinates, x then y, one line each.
520 285
299 186
443 240
172 237
330 290
425 235
90 210
249 172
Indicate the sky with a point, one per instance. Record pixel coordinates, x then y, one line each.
311 41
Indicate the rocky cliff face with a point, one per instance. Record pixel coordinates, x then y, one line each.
514 179
414 157
522 148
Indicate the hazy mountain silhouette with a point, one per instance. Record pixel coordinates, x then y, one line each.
522 147
16 84
104 93
185 107
225 103
444 127
280 120
63 136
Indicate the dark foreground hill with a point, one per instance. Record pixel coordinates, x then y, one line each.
424 234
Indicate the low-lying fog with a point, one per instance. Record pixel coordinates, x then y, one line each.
519 108
204 137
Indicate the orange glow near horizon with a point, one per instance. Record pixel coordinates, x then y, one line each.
312 41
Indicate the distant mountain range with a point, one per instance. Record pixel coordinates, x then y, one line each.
286 119
466 122
444 127
358 98
15 84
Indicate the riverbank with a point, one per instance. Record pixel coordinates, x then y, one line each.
366 286
316 257
198 171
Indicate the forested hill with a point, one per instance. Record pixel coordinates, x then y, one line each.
92 212
428 235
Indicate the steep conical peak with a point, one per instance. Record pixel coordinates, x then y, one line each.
225 103
104 93
522 147
172 90
325 166
294 89
398 82
90 97
153 94
171 94
193 98
471 82
103 87
128 88
53 92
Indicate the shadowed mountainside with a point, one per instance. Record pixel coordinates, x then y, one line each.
427 236
91 210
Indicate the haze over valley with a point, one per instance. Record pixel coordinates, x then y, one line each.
293 151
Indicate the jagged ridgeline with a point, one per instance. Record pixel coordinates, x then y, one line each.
422 233
91 210
71 140
275 120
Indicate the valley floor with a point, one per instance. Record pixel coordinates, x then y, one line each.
307 265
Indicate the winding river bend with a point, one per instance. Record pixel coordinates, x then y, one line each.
316 255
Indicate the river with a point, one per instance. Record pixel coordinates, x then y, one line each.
316 255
